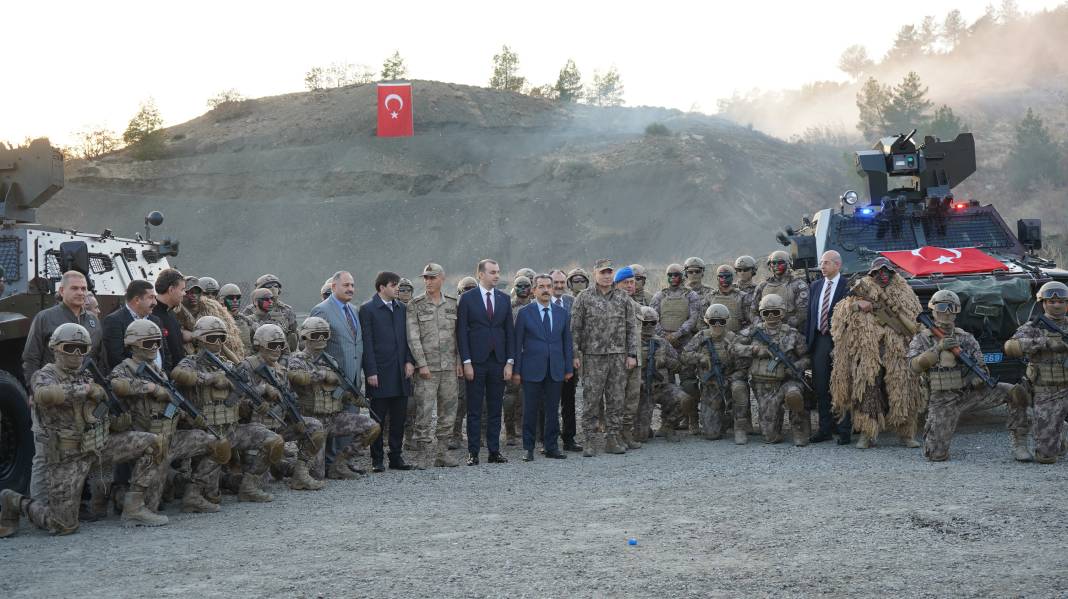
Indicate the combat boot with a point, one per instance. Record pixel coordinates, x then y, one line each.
194 502
801 433
910 441
301 479
10 512
667 431
98 502
864 441
630 441
1020 442
339 468
588 449
612 445
740 437
443 459
134 512
251 491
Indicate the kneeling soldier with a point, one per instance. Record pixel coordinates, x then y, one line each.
64 399
659 361
723 376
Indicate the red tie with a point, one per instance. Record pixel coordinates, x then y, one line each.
489 306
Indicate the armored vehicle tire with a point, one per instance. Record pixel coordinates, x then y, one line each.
16 438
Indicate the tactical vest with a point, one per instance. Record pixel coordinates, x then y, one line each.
1048 369
265 419
674 311
319 399
768 370
733 303
945 379
781 289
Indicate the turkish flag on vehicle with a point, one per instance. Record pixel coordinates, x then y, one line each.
929 260
395 110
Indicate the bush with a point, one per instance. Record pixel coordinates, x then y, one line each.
657 129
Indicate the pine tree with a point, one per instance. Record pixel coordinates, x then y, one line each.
909 107
607 89
928 35
569 83
907 45
954 28
945 125
144 133
855 62
872 101
393 68
506 71
1035 157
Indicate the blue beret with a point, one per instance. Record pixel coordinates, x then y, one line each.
623 274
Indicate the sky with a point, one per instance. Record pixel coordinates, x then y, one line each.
71 65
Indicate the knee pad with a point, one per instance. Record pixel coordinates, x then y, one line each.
318 440
220 451
274 449
157 449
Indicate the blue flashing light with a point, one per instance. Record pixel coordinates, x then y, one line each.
866 211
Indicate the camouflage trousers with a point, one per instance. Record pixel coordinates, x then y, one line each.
945 407
461 411
632 399
59 512
307 451
341 424
1051 406
246 441
603 392
513 410
771 398
435 396
715 417
182 445
669 397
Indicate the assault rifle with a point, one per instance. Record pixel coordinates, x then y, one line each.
288 400
1051 326
178 401
968 361
779 355
327 360
242 384
111 404
715 370
650 370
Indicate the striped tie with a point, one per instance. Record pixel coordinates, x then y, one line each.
825 308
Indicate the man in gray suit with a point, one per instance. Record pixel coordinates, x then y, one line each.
346 340
567 391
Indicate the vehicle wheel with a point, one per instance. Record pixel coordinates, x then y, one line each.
16 438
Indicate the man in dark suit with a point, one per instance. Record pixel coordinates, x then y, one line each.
823 295
485 334
567 391
543 361
140 301
388 365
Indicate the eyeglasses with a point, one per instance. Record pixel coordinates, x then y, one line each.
77 349
276 345
579 280
717 322
771 313
319 336
151 343
946 308
215 339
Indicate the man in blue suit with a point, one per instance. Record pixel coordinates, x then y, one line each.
345 346
485 334
388 365
543 361
565 300
823 295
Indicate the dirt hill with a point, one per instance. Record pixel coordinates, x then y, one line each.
299 185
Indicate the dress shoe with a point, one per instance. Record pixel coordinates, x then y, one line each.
844 440
378 467
555 455
820 437
495 457
472 459
572 447
400 464
528 456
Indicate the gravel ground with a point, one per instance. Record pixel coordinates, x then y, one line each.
710 518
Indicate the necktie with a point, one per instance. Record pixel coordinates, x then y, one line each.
559 302
825 308
545 324
351 320
489 306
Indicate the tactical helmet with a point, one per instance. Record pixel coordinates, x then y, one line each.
778 255
268 279
466 283
70 342
638 270
326 288
526 272
725 269
945 296
269 340
880 263
578 271
140 331
1052 290
694 262
717 311
192 282
229 289
405 283
261 293
745 262
772 301
648 314
209 285
315 332
521 280
674 268
210 331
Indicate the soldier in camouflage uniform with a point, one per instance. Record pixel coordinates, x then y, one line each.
281 313
513 393
1047 372
624 281
210 287
186 313
265 313
321 396
147 403
679 308
659 371
951 387
716 412
773 383
63 400
203 383
578 280
745 268
197 303
694 268
782 282
432 341
245 326
641 295
606 335
727 295
405 290
456 441
269 342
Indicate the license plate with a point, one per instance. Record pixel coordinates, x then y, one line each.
993 357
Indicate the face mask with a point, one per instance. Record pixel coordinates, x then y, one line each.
232 303
68 362
1055 310
883 277
772 318
725 281
578 285
779 267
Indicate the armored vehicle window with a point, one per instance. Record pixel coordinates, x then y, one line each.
9 258
967 230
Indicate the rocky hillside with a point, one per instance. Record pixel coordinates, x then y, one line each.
300 186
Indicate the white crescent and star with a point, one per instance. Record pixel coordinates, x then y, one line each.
941 259
400 104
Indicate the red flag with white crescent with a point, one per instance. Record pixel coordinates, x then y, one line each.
930 260
395 110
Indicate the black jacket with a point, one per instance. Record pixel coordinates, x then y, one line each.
385 347
115 350
172 336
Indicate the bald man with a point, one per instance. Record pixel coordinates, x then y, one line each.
823 295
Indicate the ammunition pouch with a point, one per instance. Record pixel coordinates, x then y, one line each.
767 370
94 439
121 423
157 424
1047 374
319 400
219 414
945 379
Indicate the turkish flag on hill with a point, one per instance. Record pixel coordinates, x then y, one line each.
395 110
929 260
